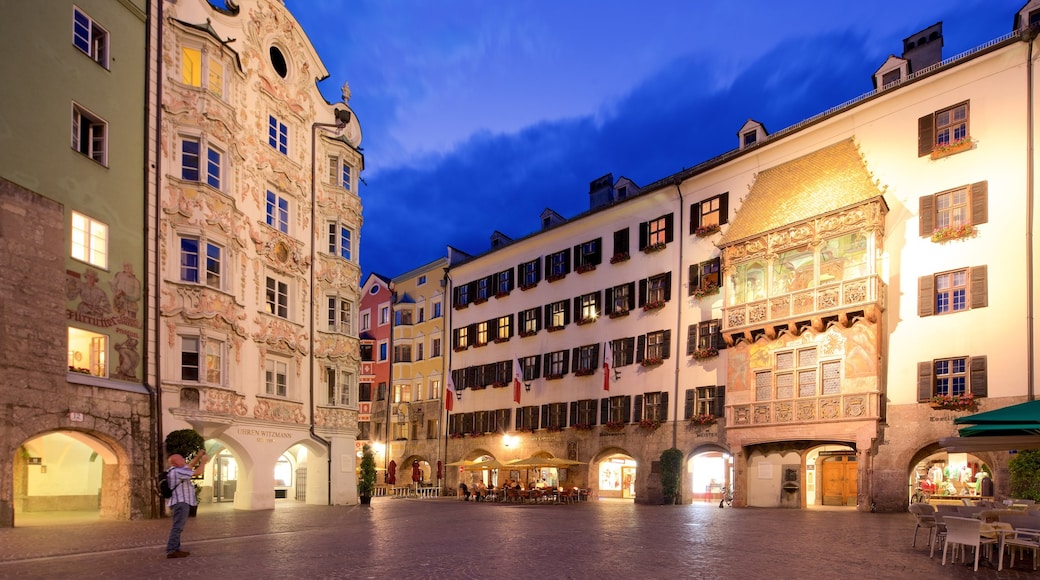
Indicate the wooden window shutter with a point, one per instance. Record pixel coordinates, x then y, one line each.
577 308
669 227
576 356
537 367
631 295
512 325
566 362
548 363
573 414
924 381
567 262
691 396
640 347
979 205
925 135
667 344
577 254
925 296
720 401
667 286
691 338
604 410
695 278
639 408
926 216
642 292
978 383
695 217
724 208
644 234
664 405
978 287
626 409
545 416
608 300
593 409
597 252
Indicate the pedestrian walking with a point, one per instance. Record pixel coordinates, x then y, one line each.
179 477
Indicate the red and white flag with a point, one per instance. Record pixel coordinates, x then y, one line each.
518 379
608 361
449 395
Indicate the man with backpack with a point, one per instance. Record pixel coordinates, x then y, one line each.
182 497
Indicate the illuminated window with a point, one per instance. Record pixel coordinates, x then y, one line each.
88 352
89 240
195 66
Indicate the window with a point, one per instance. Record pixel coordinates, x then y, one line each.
954 291
709 214
586 307
504 327
403 317
419 350
942 128
589 254
88 352
890 77
435 389
556 315
383 351
89 37
532 366
365 352
338 315
421 280
584 412
624 351
797 373
616 409
557 265
403 353
340 237
462 337
89 134
750 138
89 240
556 417
339 386
704 277
620 299
438 311
339 172
384 315
366 320
655 290
708 400
503 282
276 377
194 253
657 345
192 151
527 418
586 359
556 363
402 394
422 314
435 347
381 392
364 428
195 66
462 295
529 273
483 288
529 321
278 212
277 297
202 360
621 243
655 233
482 333
654 406
277 135
704 335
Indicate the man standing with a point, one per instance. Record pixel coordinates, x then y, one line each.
179 477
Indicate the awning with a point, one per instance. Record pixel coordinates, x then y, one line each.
1028 412
990 443
1011 427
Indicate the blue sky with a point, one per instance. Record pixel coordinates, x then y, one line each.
478 114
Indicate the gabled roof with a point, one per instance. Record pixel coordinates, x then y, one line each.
405 298
825 180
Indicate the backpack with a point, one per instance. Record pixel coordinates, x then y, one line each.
164 485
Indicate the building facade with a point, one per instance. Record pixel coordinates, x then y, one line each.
803 316
257 279
76 430
376 322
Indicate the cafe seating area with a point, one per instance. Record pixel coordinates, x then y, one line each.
548 496
986 532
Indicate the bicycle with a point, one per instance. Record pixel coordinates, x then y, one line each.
727 497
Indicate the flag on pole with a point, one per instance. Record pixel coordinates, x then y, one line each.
449 395
518 379
608 361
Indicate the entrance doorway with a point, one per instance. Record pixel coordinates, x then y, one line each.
710 472
838 472
617 477
225 477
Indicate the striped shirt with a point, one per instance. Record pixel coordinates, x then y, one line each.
183 490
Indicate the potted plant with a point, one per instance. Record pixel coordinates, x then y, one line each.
186 443
671 469
367 477
1025 474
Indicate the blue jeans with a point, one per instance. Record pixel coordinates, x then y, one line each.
180 517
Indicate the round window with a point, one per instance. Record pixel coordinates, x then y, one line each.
278 62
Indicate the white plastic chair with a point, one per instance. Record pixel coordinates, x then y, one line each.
1021 539
964 533
925 516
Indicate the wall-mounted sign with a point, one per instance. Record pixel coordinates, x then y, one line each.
35 461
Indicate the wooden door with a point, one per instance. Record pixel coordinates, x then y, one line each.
839 480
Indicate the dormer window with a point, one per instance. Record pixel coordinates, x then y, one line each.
750 138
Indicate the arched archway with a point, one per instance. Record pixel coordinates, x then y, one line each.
831 476
937 475
709 469
79 474
615 473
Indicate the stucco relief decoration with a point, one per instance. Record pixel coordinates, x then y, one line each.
832 344
279 335
199 304
856 292
757 313
280 251
762 414
335 418
855 406
784 412
279 411
336 348
806 410
225 402
741 415
830 408
333 273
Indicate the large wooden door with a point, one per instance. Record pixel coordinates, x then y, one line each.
839 480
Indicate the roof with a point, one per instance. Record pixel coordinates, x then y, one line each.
820 182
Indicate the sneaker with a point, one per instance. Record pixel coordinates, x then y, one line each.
178 554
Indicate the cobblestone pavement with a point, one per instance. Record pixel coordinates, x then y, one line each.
448 539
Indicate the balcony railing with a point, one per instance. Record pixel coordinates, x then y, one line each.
805 305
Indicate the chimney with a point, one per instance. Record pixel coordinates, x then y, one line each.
923 49
601 191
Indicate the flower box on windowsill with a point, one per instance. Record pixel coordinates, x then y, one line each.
584 372
614 426
620 257
619 314
478 387
501 340
554 328
462 306
480 345
703 420
554 428
479 300
455 435
648 425
705 231
585 268
499 385
953 402
943 235
709 290
501 294
526 287
554 277
655 248
941 151
654 305
461 348
704 353
524 334
652 362
553 377
582 427
585 321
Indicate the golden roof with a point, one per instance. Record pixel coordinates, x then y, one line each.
825 180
